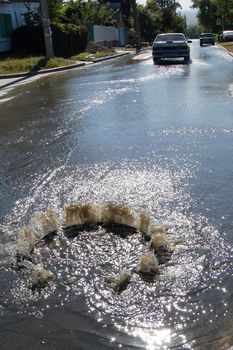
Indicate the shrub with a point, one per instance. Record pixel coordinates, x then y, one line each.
68 39
28 40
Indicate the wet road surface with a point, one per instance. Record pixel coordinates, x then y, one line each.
156 138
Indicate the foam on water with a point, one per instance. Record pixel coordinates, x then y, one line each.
78 214
40 277
43 224
148 265
120 281
26 242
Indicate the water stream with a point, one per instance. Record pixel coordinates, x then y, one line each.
151 138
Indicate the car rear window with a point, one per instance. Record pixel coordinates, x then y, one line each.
170 37
208 35
227 33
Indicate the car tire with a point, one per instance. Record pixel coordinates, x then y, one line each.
201 44
156 60
187 58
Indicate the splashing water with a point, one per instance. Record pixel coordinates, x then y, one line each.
183 296
44 224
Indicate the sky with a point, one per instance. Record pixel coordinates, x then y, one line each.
184 3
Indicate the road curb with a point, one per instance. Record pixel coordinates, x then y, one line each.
60 69
97 60
144 50
42 71
224 49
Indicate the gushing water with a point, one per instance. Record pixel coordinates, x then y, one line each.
43 224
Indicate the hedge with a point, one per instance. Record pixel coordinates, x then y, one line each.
68 39
28 40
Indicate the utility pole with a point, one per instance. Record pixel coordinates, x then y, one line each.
46 28
136 24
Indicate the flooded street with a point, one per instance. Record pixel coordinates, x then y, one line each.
152 138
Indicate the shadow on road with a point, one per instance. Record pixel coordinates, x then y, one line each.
168 62
16 80
40 64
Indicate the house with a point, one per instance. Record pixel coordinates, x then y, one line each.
11 17
109 35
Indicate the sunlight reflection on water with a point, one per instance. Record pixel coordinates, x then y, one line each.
199 259
121 117
160 338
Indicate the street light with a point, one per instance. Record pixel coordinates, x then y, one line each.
46 28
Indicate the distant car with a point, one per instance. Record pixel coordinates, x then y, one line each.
170 45
207 38
227 35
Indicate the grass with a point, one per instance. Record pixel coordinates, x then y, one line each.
31 64
10 65
228 46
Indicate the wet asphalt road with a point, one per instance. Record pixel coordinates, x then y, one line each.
157 137
117 110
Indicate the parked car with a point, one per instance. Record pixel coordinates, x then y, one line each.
207 38
227 35
170 45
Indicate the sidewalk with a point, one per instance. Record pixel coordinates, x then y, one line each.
10 81
227 47
62 68
41 71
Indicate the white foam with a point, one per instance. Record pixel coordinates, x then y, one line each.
81 213
25 242
43 223
40 277
148 264
120 281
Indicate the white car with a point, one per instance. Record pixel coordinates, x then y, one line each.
227 35
170 45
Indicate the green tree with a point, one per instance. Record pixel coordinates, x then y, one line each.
224 11
171 22
55 7
31 17
152 5
211 10
166 15
194 31
125 7
206 13
81 12
150 22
